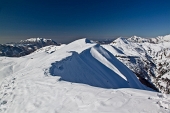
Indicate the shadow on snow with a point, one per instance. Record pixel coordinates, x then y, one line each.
86 69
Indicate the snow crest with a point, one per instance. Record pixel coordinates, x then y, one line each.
96 67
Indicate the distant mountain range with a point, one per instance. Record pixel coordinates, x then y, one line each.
24 47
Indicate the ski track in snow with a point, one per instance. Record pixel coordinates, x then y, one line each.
31 89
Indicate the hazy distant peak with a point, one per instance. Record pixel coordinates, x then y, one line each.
36 40
164 38
121 40
167 37
136 37
158 39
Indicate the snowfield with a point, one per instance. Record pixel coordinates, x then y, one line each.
81 77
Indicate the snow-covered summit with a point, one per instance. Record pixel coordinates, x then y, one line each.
36 40
164 38
159 39
33 40
82 41
137 39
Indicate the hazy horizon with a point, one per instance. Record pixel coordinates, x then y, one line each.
59 39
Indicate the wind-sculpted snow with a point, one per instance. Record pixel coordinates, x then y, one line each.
95 67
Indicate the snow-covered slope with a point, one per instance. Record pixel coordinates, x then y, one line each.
62 79
96 67
147 58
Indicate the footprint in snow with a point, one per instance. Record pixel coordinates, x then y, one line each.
3 102
164 103
7 87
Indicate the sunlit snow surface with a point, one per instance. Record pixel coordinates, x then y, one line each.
74 78
148 58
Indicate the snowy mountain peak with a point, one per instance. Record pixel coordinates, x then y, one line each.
159 39
32 39
120 40
85 40
167 37
164 38
137 39
82 42
36 40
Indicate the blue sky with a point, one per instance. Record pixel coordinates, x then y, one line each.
67 20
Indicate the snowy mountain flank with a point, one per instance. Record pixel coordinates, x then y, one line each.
86 77
24 47
147 58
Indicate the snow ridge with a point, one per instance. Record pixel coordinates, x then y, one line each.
97 67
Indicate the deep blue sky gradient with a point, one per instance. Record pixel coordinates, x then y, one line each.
67 20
